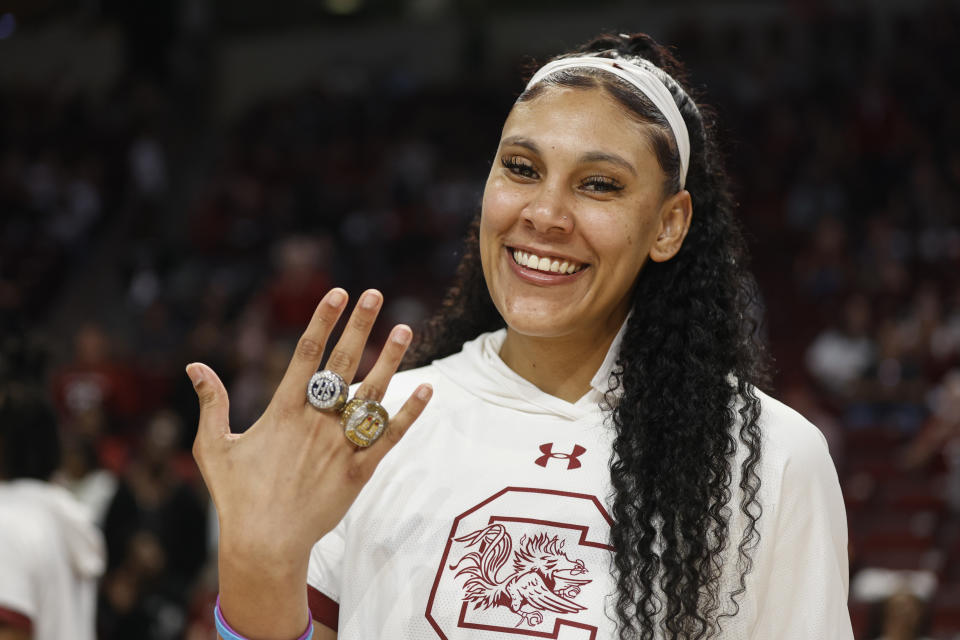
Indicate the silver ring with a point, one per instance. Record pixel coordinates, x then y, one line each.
327 391
364 421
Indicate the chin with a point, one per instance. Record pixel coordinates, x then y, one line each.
533 330
545 321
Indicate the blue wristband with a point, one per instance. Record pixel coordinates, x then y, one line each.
227 633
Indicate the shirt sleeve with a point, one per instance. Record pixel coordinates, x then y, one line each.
807 584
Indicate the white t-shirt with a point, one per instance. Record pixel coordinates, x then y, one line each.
490 520
51 555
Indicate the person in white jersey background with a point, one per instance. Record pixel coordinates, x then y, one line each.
51 552
597 460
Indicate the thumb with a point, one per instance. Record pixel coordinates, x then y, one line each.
214 403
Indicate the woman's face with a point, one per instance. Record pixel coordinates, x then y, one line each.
576 184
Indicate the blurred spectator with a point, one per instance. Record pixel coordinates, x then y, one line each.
840 356
156 494
945 341
81 474
94 383
891 390
156 538
259 372
51 553
300 281
824 270
884 259
78 205
138 599
148 168
941 436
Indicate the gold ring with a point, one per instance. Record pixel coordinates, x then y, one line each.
364 421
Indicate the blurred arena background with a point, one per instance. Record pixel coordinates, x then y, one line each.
182 180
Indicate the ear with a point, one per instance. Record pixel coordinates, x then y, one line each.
675 214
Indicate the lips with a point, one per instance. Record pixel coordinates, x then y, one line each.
546 263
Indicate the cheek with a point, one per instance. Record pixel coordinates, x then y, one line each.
622 243
615 235
490 228
484 239
634 235
501 205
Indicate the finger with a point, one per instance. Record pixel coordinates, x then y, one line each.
398 426
214 402
375 384
306 357
345 357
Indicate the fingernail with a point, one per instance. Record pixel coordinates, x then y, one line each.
401 335
424 392
335 298
369 301
195 373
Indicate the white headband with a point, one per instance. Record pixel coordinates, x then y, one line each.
639 74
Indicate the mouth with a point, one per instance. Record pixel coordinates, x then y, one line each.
545 263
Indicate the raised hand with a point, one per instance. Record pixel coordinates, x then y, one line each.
288 479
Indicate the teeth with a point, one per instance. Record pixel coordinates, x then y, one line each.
551 265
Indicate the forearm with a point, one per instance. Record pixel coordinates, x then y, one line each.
263 597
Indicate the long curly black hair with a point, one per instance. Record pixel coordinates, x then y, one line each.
681 397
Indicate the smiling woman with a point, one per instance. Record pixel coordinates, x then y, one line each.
574 184
597 460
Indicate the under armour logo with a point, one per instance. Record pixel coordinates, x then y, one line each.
572 459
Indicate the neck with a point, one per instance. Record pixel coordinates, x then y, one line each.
562 367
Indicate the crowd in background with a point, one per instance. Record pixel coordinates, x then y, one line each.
844 147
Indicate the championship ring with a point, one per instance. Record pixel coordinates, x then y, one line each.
327 391
363 421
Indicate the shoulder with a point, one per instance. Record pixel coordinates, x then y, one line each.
788 434
28 498
26 517
793 450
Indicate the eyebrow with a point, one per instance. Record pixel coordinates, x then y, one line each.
603 156
590 156
520 141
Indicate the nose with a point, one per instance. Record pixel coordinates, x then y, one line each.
549 210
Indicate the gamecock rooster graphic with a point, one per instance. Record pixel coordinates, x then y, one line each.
543 578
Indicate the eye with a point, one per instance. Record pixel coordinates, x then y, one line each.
519 166
600 184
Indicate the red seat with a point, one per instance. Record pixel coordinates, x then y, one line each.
914 492
946 610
